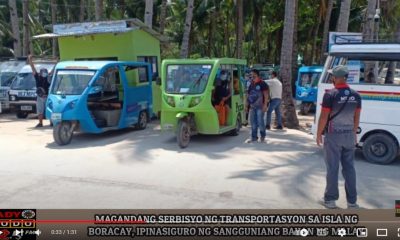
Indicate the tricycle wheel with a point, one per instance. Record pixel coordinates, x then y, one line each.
22 114
142 121
183 134
305 108
238 126
62 133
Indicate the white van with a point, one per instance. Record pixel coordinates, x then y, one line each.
22 93
8 71
379 133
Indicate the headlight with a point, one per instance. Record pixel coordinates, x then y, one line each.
13 98
170 101
72 104
50 104
195 101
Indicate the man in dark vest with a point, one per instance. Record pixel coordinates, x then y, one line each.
338 122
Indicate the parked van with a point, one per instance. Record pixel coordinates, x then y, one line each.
379 132
8 71
22 93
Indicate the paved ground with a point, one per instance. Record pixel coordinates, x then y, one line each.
146 169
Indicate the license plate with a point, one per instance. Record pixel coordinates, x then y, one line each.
56 116
26 108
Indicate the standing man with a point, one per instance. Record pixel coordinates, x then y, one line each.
339 121
257 100
275 87
42 90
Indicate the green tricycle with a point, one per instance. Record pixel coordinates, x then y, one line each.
202 96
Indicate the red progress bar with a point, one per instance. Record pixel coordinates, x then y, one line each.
75 221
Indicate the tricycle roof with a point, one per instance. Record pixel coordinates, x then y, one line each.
311 69
94 65
207 61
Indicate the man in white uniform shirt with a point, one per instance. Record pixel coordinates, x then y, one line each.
275 87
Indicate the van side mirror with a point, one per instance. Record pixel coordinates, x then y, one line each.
158 81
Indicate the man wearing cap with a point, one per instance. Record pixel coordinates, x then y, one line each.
339 121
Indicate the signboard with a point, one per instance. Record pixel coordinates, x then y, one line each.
354 67
343 37
90 27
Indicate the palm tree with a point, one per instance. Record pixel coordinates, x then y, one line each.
15 27
368 35
82 11
344 15
186 34
326 30
98 10
163 15
239 35
289 109
148 15
25 28
53 22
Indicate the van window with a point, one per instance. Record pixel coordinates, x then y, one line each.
368 72
6 78
24 81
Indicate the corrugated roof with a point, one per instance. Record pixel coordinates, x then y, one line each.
92 28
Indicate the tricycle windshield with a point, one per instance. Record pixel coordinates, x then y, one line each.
187 78
309 79
71 82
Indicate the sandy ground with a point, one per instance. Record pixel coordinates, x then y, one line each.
146 169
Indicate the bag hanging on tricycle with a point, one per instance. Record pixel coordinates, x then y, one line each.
220 108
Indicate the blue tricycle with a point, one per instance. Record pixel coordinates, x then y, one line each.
97 96
307 86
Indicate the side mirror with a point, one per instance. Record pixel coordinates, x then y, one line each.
158 81
95 89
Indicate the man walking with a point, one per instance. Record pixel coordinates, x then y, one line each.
339 121
257 100
275 87
42 90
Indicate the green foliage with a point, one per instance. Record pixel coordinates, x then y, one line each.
213 27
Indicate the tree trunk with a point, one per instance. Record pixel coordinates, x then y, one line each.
15 27
25 28
98 7
53 22
82 11
163 15
186 34
289 108
295 52
316 31
368 35
226 38
210 34
256 30
239 34
344 15
148 15
325 35
392 66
